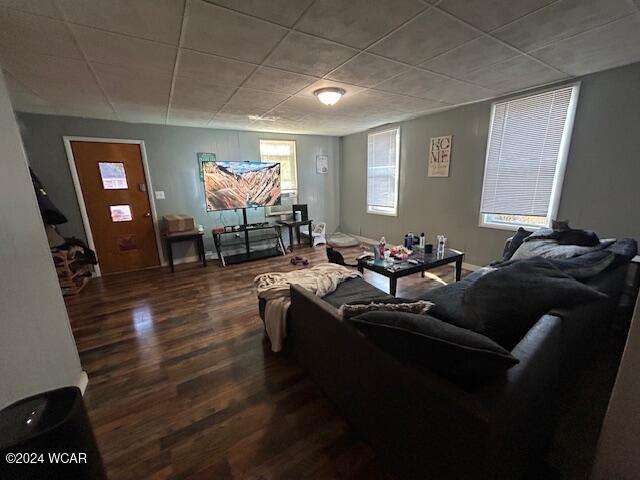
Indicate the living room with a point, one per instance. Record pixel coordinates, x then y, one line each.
320 239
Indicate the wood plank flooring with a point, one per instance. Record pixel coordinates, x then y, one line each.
182 383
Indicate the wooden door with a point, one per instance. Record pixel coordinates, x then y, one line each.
115 195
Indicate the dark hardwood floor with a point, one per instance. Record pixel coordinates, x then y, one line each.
182 383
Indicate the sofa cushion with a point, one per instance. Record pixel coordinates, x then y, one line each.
505 303
459 354
357 290
549 248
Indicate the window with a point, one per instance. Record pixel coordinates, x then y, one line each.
113 175
526 156
283 152
383 162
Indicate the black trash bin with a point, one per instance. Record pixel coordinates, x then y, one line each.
48 436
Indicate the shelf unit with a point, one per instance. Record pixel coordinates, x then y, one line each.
71 282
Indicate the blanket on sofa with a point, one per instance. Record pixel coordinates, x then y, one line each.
274 288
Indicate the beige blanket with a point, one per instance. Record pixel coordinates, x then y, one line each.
274 288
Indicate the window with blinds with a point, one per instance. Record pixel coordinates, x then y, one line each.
526 155
383 165
283 152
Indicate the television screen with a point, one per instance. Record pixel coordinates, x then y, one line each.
229 185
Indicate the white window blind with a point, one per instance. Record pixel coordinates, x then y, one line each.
383 159
526 153
283 152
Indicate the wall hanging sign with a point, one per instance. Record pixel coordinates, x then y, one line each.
322 164
439 156
204 157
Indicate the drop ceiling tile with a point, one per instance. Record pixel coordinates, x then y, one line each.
367 70
217 30
191 94
36 7
253 102
299 106
213 70
612 45
116 49
21 32
280 81
309 55
141 114
189 118
231 121
490 14
481 52
282 12
56 80
562 20
357 23
132 88
415 82
158 20
21 96
428 35
397 103
514 74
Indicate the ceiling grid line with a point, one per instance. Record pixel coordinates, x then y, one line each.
87 62
176 63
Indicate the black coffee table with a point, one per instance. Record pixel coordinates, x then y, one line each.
426 261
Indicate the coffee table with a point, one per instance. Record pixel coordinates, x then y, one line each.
394 269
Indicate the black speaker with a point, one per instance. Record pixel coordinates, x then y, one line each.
48 436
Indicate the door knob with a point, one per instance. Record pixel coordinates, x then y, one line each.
147 214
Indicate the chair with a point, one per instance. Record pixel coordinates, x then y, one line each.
318 234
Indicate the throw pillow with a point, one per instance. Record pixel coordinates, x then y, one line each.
351 310
460 355
550 249
515 243
506 303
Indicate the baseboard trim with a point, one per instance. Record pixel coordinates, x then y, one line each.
82 381
470 266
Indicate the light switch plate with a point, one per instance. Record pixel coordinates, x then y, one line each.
159 194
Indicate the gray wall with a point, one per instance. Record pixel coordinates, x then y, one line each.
173 168
37 349
600 187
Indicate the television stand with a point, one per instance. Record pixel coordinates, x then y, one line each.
249 254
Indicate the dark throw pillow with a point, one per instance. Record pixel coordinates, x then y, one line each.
460 355
505 303
515 243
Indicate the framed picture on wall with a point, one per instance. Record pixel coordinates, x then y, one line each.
439 156
322 164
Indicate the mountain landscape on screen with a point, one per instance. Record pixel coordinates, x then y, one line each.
230 185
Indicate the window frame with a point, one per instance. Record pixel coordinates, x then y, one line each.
293 191
561 166
372 210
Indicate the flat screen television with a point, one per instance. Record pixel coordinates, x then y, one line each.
230 185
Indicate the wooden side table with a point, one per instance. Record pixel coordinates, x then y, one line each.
291 225
190 236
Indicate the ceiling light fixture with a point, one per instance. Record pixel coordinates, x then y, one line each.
330 95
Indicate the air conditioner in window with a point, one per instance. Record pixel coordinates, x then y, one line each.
287 200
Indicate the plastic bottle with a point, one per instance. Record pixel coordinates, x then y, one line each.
422 238
410 240
381 247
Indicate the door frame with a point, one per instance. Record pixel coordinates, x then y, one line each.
78 188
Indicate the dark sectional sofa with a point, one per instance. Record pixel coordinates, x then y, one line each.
426 426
